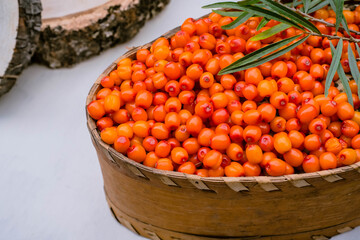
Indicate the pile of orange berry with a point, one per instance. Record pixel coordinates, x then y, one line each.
170 109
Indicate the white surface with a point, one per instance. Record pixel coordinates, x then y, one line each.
50 179
9 20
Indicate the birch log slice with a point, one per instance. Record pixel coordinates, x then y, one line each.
74 30
20 23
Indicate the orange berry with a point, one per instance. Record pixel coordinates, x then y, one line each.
275 167
164 164
179 155
187 167
311 163
328 160
347 156
282 142
235 152
234 170
212 159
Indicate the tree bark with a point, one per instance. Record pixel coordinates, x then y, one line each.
27 35
68 40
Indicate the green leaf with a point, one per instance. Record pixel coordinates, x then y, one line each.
319 6
270 32
345 82
337 6
243 17
262 23
255 10
353 68
334 64
345 25
228 13
278 8
306 5
248 58
249 62
357 48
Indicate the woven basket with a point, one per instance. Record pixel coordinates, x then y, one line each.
171 205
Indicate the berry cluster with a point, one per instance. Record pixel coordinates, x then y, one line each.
170 109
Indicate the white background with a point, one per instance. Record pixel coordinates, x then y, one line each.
50 180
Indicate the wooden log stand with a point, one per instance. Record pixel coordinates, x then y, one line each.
72 34
20 23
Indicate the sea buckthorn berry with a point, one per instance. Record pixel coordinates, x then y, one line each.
311 163
194 72
207 41
204 109
303 63
160 131
329 108
285 85
235 152
307 113
265 88
159 98
333 145
164 164
122 144
317 126
205 136
159 80
253 76
181 133
349 128
294 157
251 170
289 111
252 46
282 142
279 70
140 129
234 170
202 153
173 104
307 82
187 167
103 93
279 100
191 145
201 56
206 80
151 159
172 70
278 124
293 124
328 160
172 120
112 103
216 88
227 81
236 134
220 100
149 143
266 143
252 134
296 138
104 122
173 88
212 159
139 114
250 91
107 82
179 155
162 149
345 111
267 112
143 99
108 135
159 113
220 116
220 142
312 142
275 167
252 117
355 142
194 125
347 156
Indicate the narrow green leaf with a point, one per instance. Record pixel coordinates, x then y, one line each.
262 23
334 64
353 68
338 8
345 82
248 58
306 5
239 65
228 13
233 5
255 10
278 8
314 3
357 48
319 6
345 25
270 32
238 21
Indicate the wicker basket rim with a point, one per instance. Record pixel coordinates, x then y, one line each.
178 175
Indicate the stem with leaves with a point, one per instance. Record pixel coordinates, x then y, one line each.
291 15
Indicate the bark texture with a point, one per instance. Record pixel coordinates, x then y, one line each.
28 33
61 46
